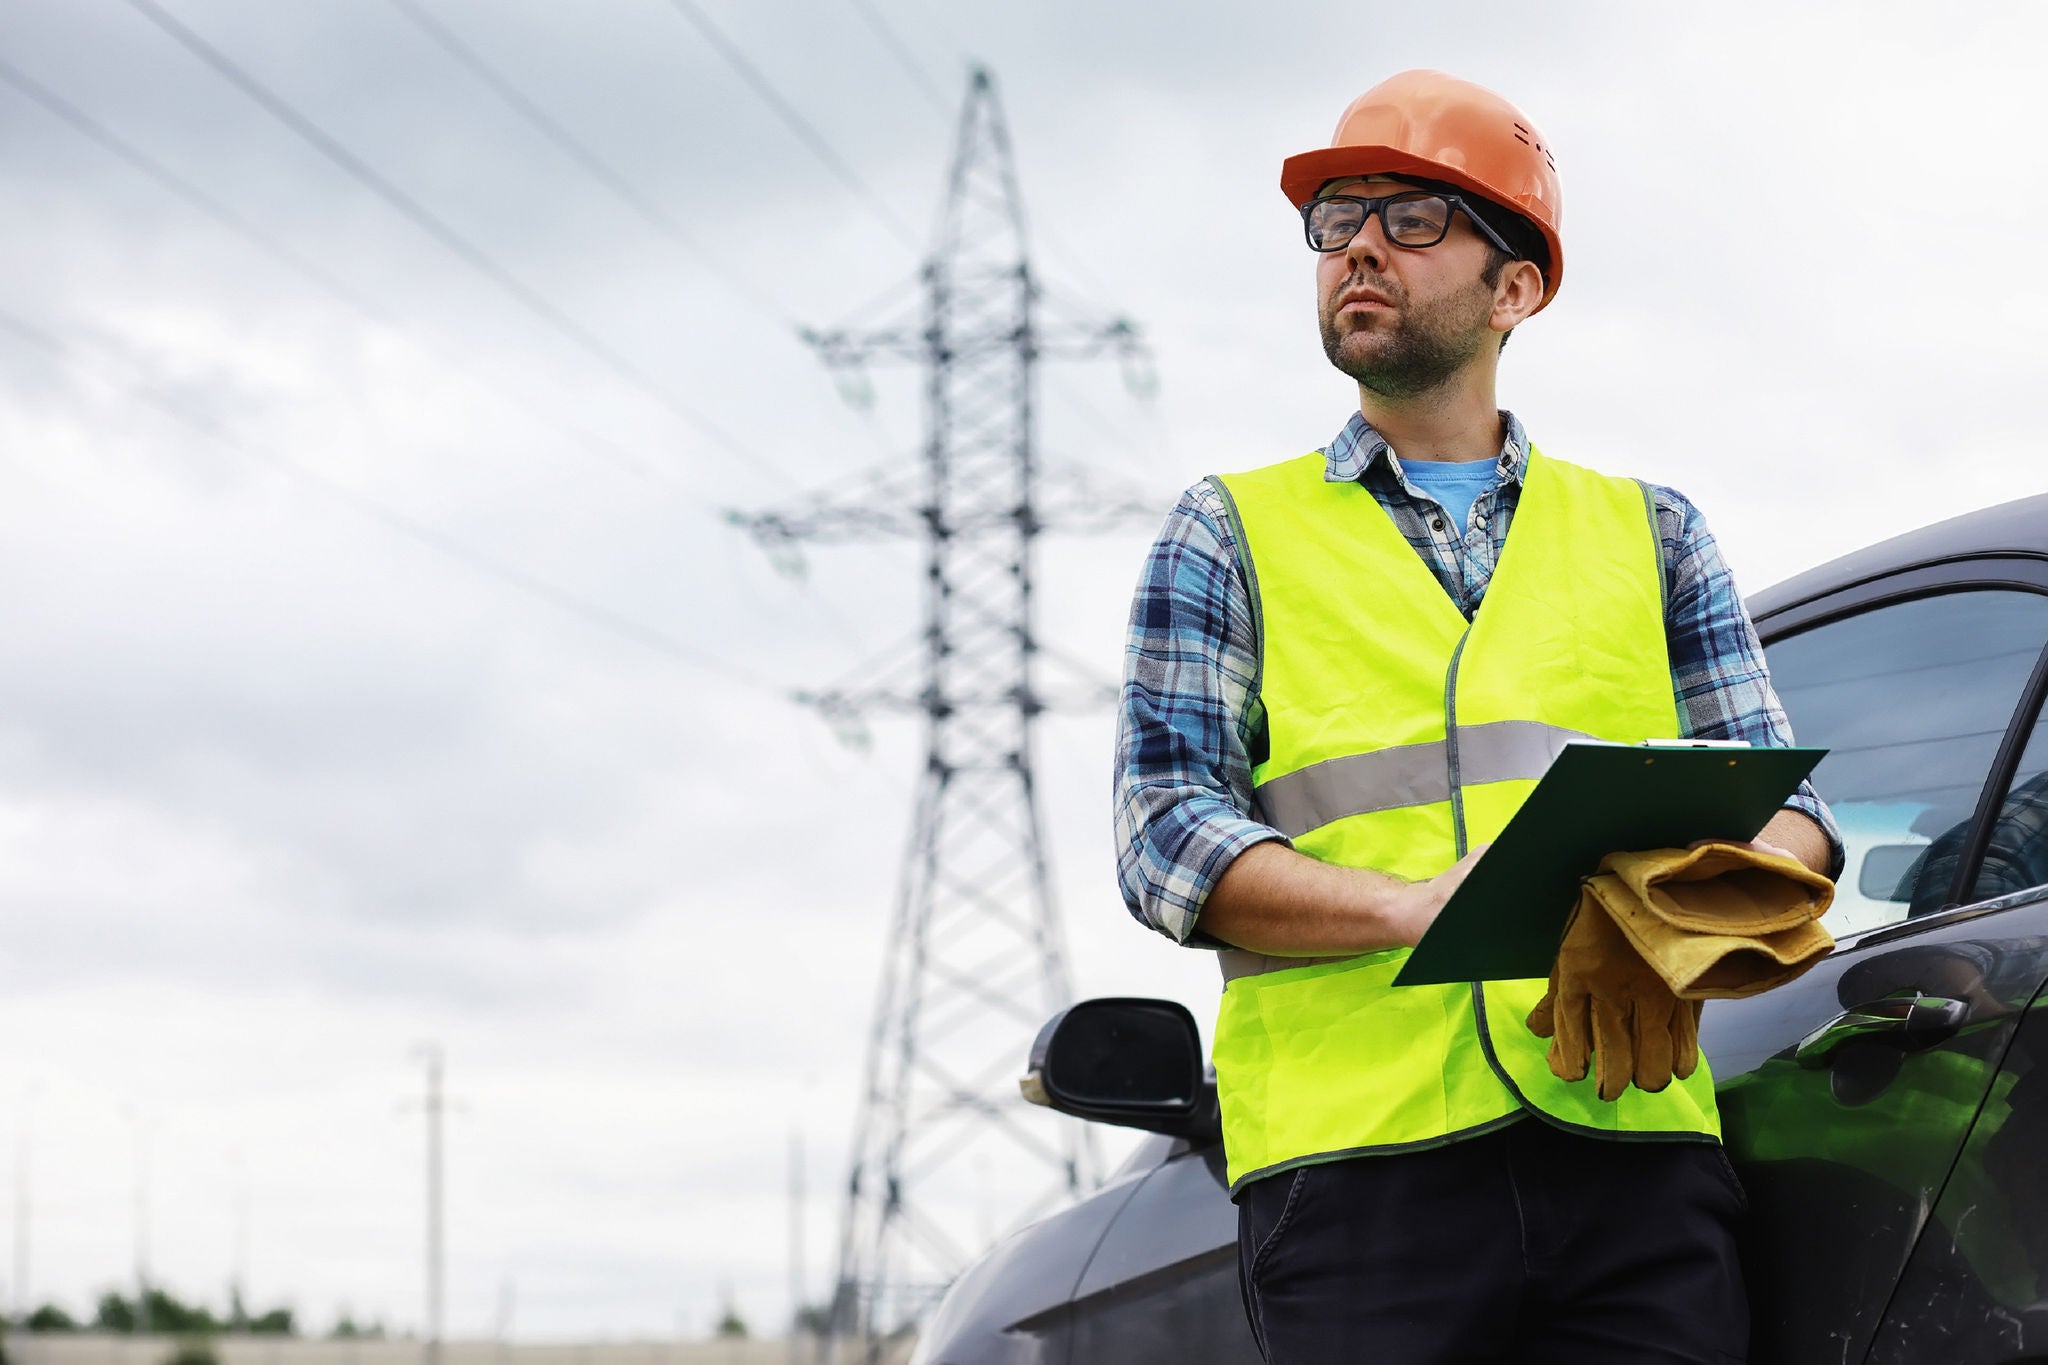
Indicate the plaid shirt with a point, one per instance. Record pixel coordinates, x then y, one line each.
1189 719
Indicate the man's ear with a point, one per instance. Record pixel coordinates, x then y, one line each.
1519 293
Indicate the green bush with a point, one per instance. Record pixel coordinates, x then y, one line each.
171 1316
192 1351
278 1322
116 1313
51 1318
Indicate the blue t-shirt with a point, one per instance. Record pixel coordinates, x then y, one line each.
1455 484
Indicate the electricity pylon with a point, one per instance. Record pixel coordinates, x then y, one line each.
976 960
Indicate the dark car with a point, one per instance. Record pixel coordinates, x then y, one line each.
1888 1111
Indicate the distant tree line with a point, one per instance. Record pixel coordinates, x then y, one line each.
169 1315
347 1328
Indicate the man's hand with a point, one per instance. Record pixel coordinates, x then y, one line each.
1754 845
1790 834
1419 903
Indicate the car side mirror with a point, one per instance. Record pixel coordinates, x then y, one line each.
1134 1063
1889 871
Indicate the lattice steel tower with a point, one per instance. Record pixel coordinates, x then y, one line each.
975 961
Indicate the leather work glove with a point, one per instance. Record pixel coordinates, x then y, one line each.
1721 921
1609 1006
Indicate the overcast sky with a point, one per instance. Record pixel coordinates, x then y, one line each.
409 686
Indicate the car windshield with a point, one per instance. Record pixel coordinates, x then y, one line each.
1152 1149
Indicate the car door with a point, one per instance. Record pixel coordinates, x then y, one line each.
1162 1285
1847 1096
1976 1287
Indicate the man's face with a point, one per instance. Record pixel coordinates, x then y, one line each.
1402 320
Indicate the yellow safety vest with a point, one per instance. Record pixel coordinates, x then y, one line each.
1400 735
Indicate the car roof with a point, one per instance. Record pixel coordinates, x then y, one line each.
2012 528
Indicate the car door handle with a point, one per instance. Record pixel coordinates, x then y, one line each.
1907 1022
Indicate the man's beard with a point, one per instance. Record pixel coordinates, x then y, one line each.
1423 348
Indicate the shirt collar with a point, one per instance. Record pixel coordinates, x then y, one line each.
1358 448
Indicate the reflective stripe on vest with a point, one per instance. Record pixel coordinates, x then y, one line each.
1398 736
1409 775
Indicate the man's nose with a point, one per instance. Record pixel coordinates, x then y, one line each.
1369 247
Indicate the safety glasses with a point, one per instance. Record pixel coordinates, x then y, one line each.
1412 218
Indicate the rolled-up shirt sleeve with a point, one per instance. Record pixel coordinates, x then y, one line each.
1717 664
1188 713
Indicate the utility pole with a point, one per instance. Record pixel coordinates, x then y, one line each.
508 1297
976 960
23 1137
796 1244
141 1133
435 1106
238 1272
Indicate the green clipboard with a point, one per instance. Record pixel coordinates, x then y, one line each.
1507 917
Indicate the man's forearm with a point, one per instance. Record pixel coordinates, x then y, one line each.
1274 900
1801 836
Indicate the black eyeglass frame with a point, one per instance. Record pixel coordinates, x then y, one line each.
1377 207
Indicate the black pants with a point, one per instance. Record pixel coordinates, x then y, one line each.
1526 1245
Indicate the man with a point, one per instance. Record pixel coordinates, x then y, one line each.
1320 730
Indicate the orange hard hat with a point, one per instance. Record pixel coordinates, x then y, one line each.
1437 127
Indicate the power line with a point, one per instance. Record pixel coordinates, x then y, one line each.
457 245
306 267
805 131
309 269
953 39
590 614
891 40
593 165
605 174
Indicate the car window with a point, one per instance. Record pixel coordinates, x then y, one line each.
2016 855
1911 700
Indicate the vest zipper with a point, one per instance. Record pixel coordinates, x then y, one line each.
1458 836
1485 1029
1451 744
